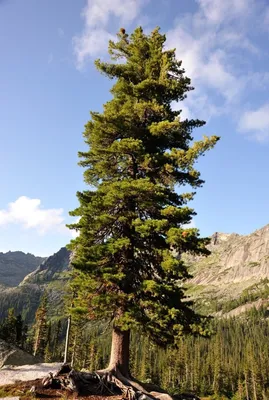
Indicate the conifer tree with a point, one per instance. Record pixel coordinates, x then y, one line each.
48 347
141 154
8 327
19 330
40 327
56 345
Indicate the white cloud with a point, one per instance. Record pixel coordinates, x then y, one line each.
89 44
30 215
75 233
256 123
185 112
95 36
207 42
215 44
202 59
219 11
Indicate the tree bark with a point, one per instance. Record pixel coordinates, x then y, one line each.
120 352
67 339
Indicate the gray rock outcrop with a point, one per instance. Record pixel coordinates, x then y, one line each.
15 265
11 355
234 259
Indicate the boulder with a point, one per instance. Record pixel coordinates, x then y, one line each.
12 355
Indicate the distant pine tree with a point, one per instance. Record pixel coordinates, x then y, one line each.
56 345
40 328
8 330
19 330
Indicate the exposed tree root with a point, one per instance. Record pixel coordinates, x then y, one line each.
104 382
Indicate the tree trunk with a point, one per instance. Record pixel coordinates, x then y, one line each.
120 352
67 337
246 385
37 339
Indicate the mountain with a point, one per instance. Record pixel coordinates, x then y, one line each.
232 280
235 274
15 265
49 276
49 269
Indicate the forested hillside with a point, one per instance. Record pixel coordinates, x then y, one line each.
49 276
233 363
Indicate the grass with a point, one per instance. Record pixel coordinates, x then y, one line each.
11 391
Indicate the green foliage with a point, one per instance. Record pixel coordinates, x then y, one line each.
24 300
13 329
251 294
232 361
139 151
41 328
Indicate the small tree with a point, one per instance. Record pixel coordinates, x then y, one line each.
127 257
40 327
8 327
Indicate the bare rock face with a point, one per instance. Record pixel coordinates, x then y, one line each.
49 269
15 265
11 355
234 259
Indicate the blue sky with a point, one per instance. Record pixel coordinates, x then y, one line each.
48 85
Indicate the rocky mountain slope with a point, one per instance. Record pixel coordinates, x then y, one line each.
49 276
15 265
50 269
236 272
234 278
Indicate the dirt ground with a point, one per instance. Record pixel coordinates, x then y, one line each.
22 390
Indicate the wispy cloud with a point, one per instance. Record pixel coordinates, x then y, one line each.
75 233
256 123
216 46
95 35
217 12
30 214
216 43
206 42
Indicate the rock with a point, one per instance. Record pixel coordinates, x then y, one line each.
15 265
10 375
234 259
49 269
10 398
49 277
11 355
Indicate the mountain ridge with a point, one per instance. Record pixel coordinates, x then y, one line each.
26 296
15 265
235 274
236 269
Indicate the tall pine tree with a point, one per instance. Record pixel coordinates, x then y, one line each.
40 327
127 257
